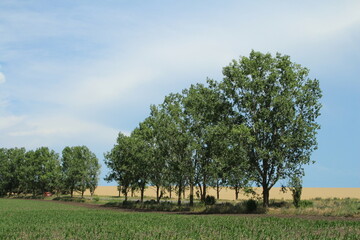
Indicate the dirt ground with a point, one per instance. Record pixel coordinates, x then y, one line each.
114 208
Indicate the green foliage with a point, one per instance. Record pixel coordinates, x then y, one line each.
251 205
210 200
275 106
23 219
256 125
305 203
80 168
295 186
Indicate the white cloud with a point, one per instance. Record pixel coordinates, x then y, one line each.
9 121
2 78
55 130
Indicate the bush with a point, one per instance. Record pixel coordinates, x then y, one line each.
96 198
251 205
306 203
210 200
152 201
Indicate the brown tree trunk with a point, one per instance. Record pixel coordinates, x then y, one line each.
157 193
179 194
204 193
217 190
236 193
201 191
266 194
126 196
191 194
72 192
142 194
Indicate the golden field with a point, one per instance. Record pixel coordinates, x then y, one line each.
229 194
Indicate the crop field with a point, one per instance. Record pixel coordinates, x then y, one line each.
30 219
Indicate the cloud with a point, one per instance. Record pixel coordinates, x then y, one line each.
53 130
2 78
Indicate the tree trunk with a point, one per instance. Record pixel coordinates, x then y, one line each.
142 193
82 194
236 193
201 191
126 196
132 192
217 190
71 192
170 191
184 189
191 194
179 194
204 193
266 194
157 193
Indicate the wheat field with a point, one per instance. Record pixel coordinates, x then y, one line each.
229 194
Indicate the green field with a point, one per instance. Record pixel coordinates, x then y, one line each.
28 219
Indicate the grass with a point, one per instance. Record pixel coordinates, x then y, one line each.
335 207
27 219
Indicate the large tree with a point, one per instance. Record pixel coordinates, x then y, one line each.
151 131
276 105
178 142
206 112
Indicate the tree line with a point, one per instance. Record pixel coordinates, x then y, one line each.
42 170
256 126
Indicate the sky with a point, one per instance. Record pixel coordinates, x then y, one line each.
79 72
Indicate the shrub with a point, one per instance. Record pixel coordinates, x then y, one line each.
96 198
152 201
306 203
210 200
251 206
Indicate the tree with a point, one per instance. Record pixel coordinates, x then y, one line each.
204 110
178 142
81 169
12 161
151 131
42 170
118 161
276 105
295 186
4 172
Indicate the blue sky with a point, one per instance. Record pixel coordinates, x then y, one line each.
78 72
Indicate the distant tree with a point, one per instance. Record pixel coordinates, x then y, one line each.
12 161
120 165
276 104
43 167
151 131
4 171
81 169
